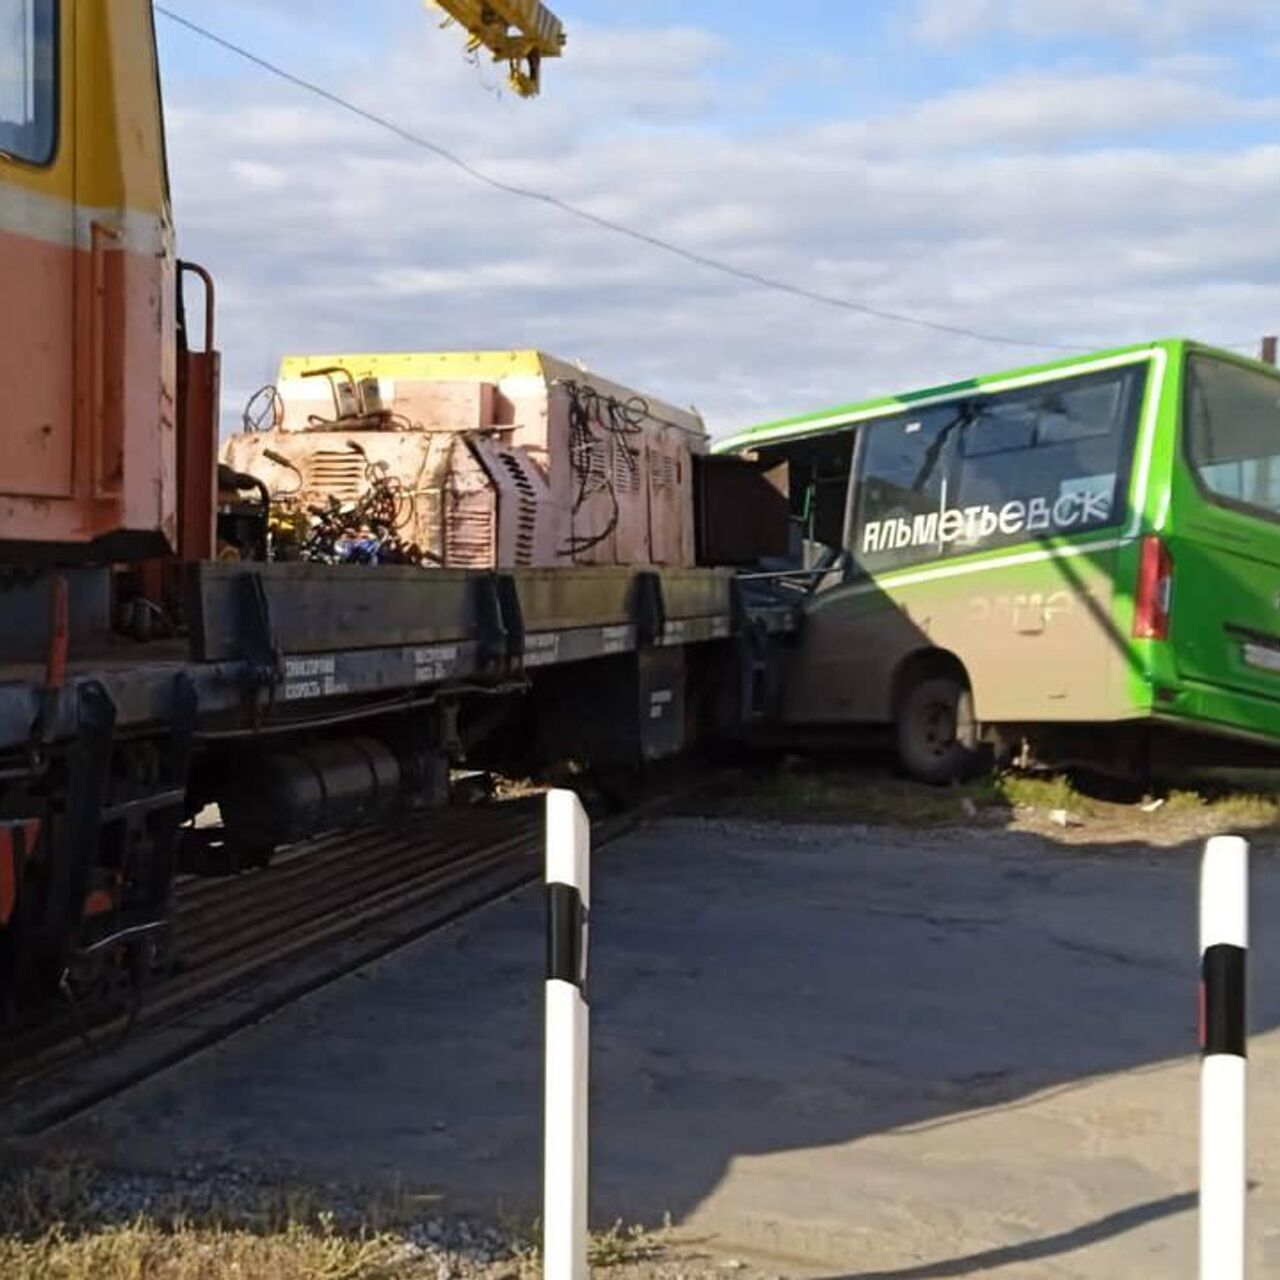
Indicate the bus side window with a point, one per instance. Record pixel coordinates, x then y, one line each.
1048 459
902 487
996 470
1233 434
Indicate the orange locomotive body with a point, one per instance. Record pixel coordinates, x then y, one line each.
88 363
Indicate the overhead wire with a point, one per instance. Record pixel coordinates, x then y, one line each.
566 207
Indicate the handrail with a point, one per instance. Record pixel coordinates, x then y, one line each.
194 268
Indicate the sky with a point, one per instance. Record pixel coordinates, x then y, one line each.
1062 174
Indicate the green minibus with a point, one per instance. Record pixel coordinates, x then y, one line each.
1076 560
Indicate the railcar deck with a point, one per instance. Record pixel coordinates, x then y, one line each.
276 644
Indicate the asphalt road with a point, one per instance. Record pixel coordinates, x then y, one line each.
848 1052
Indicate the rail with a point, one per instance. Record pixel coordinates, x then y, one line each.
252 944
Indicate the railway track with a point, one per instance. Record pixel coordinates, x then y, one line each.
251 944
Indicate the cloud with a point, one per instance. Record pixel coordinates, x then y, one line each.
946 22
326 234
650 74
1037 108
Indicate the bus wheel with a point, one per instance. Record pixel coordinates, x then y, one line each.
937 736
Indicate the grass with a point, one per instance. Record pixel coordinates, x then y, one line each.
818 792
622 1245
822 793
148 1250
145 1250
1036 791
51 1228
1246 810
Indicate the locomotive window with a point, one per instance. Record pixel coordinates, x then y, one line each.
28 80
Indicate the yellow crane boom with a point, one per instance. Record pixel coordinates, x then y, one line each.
518 32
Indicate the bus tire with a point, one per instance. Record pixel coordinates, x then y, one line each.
936 732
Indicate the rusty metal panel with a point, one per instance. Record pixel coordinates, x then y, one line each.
532 463
560 599
670 499
443 406
630 543
320 608
742 517
626 497
697 593
417 403
525 524
470 512
199 377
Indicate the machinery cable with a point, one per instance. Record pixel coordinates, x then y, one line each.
368 530
591 454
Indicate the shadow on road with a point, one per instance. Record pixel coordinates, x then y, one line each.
766 1002
1113 1224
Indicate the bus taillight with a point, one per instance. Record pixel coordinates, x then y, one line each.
1155 591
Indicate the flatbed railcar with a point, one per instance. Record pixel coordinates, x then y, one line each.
402 563
304 699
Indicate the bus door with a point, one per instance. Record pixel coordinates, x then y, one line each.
1224 538
853 633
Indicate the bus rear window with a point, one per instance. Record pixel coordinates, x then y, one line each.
994 470
1233 434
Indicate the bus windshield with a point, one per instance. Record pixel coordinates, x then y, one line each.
993 470
1233 434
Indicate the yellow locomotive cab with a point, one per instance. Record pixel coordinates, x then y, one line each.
87 368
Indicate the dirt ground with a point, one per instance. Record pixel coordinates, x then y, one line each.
844 1049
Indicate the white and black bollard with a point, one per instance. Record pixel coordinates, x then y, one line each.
1224 941
565 1170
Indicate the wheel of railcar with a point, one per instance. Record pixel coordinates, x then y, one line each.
936 733
105 986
